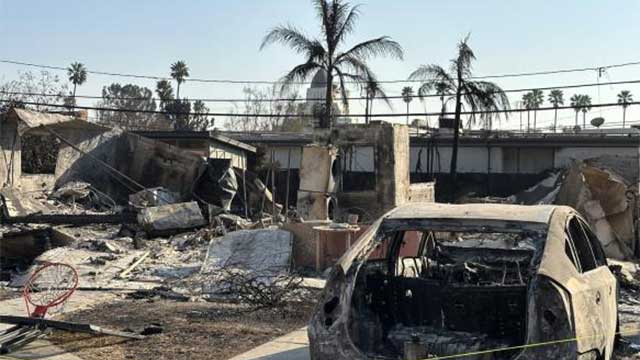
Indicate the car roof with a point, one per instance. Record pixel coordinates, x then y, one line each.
497 212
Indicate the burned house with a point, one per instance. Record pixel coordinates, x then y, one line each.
116 162
357 168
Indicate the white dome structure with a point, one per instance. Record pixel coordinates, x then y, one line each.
316 96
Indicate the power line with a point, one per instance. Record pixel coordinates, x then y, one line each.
502 111
265 82
300 99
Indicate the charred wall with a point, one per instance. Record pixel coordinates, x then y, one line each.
148 162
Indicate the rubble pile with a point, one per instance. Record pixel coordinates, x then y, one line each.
171 251
603 191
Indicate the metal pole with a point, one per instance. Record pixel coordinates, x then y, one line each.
288 179
244 189
273 187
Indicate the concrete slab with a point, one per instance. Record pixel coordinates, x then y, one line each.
43 349
292 346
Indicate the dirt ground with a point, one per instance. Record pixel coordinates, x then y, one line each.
6 294
193 330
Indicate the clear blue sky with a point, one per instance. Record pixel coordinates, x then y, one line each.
220 39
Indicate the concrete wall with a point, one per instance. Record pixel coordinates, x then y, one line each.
317 180
470 159
422 192
527 160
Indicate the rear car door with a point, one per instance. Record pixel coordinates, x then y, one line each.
588 292
609 293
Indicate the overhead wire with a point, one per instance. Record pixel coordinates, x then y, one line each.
266 82
500 111
301 99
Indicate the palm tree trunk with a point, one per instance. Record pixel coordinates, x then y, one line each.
453 167
584 120
407 113
624 116
535 119
520 121
366 110
327 121
555 119
528 121
74 97
370 109
576 118
178 91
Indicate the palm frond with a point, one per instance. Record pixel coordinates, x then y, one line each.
486 97
464 59
374 89
323 12
77 73
290 36
556 98
347 23
433 73
298 74
434 76
381 46
425 89
625 97
356 66
343 90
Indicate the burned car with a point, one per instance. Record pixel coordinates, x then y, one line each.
472 281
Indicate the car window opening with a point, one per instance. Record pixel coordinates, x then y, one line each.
452 291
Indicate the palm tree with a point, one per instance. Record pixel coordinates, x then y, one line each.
442 89
179 72
407 97
585 106
373 90
338 20
77 73
624 98
165 93
484 97
537 98
527 101
556 98
576 102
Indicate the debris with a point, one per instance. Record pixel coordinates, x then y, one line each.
28 329
74 190
161 292
152 329
253 250
173 217
153 197
249 262
601 196
605 198
217 185
126 271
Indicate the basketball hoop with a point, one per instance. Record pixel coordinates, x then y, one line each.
50 286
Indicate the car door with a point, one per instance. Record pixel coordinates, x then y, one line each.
609 294
588 292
